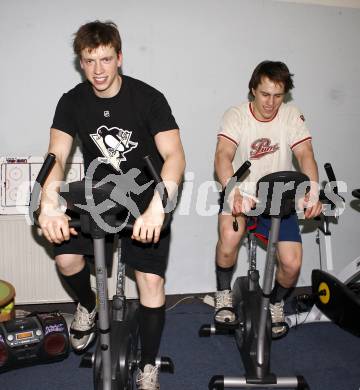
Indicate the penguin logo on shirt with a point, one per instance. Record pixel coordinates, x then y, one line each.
114 144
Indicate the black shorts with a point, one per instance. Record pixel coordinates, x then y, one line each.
148 258
221 202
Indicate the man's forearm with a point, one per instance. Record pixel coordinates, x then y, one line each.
305 157
172 172
309 167
51 187
223 169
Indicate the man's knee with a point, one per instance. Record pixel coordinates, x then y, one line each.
229 239
152 283
291 267
151 289
69 264
290 258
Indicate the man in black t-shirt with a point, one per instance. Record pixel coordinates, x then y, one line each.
118 120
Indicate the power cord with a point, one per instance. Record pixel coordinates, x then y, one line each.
207 299
179 301
302 303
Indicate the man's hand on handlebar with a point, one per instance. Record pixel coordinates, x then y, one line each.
311 205
240 204
54 225
147 227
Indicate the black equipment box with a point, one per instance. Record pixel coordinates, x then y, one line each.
39 338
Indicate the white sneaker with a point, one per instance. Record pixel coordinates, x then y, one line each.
279 326
148 379
224 312
82 329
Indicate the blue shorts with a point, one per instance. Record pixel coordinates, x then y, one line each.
289 228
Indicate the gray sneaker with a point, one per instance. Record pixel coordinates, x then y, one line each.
279 326
148 379
82 329
224 312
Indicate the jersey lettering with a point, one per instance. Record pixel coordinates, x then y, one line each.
261 147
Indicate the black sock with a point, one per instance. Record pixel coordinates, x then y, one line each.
223 277
151 325
279 293
80 285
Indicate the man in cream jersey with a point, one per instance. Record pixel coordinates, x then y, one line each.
268 132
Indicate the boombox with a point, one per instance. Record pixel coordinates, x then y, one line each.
39 338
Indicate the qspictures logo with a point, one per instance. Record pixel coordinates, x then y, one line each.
261 147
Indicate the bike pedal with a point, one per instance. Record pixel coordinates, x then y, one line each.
87 360
165 364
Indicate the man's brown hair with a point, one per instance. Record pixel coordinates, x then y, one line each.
275 71
94 34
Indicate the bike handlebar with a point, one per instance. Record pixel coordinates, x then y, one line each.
240 172
237 175
331 179
75 223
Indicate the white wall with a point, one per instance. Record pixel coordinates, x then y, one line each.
201 55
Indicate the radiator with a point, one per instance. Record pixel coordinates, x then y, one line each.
25 256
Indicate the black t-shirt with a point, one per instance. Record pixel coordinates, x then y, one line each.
119 130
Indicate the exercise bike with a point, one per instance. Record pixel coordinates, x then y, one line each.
251 303
339 301
334 298
117 355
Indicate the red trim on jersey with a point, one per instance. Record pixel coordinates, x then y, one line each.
259 120
299 142
228 138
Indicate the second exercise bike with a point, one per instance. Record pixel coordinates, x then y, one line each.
251 302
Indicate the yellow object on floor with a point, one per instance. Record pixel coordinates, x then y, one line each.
7 302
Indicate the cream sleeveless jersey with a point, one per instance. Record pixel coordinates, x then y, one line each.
268 145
